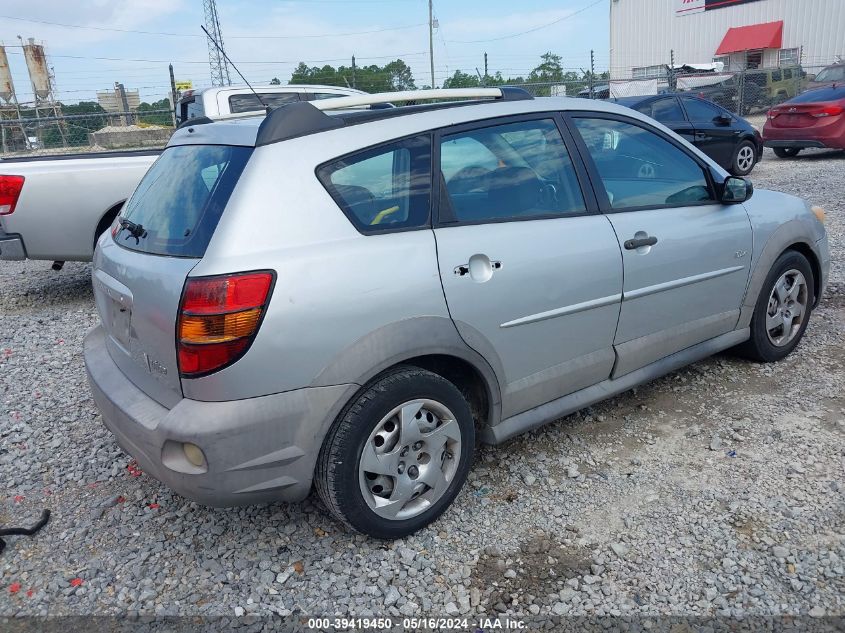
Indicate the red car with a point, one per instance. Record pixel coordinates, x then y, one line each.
815 118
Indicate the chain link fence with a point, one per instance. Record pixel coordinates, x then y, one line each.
26 133
744 92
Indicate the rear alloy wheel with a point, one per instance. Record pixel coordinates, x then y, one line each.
786 152
782 311
745 157
398 455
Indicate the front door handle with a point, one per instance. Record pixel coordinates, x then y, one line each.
639 242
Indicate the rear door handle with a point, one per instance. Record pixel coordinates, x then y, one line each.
640 241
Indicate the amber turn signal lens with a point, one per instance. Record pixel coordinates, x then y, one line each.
819 213
218 328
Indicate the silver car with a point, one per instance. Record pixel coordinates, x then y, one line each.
350 299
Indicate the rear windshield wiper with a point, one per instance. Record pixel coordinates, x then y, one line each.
135 230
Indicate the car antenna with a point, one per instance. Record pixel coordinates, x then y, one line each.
222 52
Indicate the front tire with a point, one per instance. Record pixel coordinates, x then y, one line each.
398 454
786 152
745 157
782 310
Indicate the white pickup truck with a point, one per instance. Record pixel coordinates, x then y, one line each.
54 207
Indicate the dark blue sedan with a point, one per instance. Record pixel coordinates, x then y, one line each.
727 138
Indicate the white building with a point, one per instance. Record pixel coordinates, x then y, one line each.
740 33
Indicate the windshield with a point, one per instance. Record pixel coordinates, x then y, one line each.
837 73
176 207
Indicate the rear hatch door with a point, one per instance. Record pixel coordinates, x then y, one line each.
141 265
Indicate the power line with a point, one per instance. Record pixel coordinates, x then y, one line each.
531 30
231 37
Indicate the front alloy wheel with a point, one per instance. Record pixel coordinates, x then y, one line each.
787 308
782 310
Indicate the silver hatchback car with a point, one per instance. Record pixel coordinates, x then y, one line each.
350 299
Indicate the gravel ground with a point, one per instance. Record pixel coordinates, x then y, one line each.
715 490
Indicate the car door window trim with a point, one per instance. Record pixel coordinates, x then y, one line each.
596 179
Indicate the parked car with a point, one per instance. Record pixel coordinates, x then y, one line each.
599 91
726 138
833 74
349 300
815 118
58 205
766 87
724 93
239 99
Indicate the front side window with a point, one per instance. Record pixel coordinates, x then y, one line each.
834 73
508 172
386 188
639 168
700 111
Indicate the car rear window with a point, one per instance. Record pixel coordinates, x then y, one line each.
820 94
251 103
178 203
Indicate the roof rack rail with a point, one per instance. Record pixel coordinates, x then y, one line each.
356 101
309 117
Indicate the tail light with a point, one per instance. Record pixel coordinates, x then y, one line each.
829 110
219 318
10 190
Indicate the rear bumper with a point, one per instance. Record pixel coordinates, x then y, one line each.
11 247
257 450
796 143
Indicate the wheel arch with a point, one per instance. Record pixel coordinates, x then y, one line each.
773 250
431 343
106 220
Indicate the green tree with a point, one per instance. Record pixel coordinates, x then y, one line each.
275 81
462 80
159 118
388 78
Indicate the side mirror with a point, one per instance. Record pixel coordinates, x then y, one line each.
722 119
736 190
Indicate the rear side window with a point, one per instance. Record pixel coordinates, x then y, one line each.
250 103
663 110
701 112
180 200
383 189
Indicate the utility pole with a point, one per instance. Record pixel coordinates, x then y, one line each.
172 96
592 72
485 68
354 85
672 70
120 92
216 60
431 38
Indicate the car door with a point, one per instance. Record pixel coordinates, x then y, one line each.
668 111
532 273
716 133
686 256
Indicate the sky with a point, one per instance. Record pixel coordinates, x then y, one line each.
94 43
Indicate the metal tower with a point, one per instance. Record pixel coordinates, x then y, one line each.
219 65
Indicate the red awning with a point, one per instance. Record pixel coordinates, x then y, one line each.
752 37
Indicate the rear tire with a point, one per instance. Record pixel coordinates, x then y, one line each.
776 326
745 158
786 152
398 454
